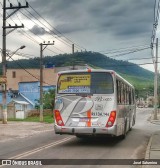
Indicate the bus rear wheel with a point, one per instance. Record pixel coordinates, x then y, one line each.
123 136
81 136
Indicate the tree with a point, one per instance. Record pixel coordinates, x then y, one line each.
48 100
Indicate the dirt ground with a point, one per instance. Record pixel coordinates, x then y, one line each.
13 130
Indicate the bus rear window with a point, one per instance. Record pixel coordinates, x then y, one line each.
88 83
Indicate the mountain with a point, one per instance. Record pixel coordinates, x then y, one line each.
138 76
90 58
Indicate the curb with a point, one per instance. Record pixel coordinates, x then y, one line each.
155 122
147 154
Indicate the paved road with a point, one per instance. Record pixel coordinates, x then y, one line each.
51 146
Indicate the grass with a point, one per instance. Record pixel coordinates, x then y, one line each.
139 82
46 119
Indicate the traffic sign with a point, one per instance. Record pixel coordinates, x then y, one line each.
3 79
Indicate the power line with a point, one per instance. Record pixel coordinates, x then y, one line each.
41 27
27 71
56 29
157 17
39 36
30 56
32 39
49 32
130 64
155 24
29 37
20 54
23 30
138 59
155 10
123 49
119 55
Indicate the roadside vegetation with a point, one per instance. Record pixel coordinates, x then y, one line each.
48 104
48 118
143 87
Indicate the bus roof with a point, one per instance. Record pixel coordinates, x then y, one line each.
97 70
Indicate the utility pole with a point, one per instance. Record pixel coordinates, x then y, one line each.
73 55
156 82
4 34
41 76
72 48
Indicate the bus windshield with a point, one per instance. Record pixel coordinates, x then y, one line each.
87 83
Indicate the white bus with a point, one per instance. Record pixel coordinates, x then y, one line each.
94 102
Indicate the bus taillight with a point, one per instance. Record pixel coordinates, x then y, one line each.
111 119
58 118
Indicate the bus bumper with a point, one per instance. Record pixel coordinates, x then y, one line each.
87 130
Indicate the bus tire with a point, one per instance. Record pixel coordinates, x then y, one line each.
123 136
133 122
81 136
130 125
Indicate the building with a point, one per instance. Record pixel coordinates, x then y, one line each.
15 76
25 99
23 84
30 92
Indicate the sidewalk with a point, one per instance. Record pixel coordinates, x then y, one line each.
153 148
22 129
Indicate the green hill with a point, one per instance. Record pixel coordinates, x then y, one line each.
139 77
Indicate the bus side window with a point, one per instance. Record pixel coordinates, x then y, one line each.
119 91
125 94
130 97
128 92
133 99
119 87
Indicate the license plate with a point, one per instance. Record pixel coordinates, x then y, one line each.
84 119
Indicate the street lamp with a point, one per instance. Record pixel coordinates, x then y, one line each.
4 93
20 48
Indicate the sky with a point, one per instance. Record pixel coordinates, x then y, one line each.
120 29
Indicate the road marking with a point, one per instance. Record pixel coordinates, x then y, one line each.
39 149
